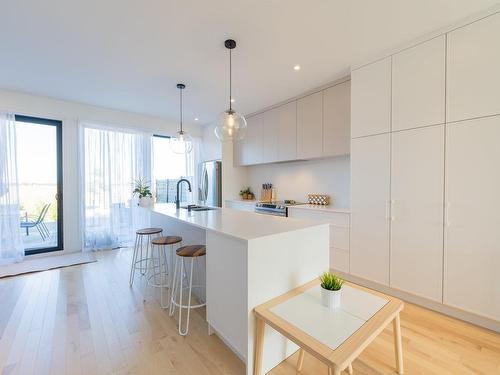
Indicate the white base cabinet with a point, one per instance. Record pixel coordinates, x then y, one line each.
339 233
370 176
472 242
417 185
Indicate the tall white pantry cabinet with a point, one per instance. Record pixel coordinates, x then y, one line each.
425 175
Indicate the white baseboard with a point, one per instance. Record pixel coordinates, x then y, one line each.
429 304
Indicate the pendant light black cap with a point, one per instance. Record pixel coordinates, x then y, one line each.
230 44
181 86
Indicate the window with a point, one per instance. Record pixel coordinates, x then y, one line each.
168 168
39 163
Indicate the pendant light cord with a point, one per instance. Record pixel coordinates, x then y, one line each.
230 82
181 109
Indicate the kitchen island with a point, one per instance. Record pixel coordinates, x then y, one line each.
251 258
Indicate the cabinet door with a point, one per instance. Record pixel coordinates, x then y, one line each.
287 131
370 183
250 148
310 126
269 136
472 235
417 188
371 99
418 85
337 120
473 76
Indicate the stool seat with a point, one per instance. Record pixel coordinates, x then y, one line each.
166 240
145 231
191 251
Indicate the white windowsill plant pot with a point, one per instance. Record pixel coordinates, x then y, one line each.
146 201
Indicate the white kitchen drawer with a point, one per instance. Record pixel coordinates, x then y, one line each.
339 237
334 218
339 259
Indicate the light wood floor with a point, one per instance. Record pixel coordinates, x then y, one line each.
86 320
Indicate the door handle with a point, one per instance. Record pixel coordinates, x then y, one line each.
447 214
388 210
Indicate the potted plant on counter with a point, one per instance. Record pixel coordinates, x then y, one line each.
331 289
247 194
143 191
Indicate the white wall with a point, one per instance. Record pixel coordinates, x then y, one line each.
70 114
294 180
210 147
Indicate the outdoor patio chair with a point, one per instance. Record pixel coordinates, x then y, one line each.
38 223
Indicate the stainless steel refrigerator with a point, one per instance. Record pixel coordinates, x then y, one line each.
210 183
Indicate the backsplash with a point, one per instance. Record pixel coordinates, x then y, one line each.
294 180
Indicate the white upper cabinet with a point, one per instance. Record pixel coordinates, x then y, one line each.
286 117
370 194
249 150
417 188
310 126
473 73
472 245
371 99
337 120
418 85
270 129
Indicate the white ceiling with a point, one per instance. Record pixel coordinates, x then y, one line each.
129 54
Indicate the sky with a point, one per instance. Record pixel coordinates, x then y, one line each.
36 153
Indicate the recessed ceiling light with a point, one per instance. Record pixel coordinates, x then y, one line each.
196 119
296 67
232 100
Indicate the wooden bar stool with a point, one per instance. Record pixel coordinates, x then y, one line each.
193 252
161 276
140 262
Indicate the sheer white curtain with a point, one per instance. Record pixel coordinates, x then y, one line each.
11 246
111 160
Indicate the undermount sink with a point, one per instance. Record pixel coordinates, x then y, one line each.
195 207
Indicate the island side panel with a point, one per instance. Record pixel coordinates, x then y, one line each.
227 290
277 264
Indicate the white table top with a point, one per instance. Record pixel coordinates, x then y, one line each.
235 223
330 327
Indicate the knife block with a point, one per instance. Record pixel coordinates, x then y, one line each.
267 195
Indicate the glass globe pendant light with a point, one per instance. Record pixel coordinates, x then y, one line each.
182 143
230 125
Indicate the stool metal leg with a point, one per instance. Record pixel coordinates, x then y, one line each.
164 276
174 289
185 332
134 260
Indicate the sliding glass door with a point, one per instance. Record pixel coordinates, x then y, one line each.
39 167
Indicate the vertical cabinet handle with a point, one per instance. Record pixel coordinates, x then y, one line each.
447 214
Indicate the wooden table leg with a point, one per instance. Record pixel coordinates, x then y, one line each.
349 369
300 361
398 346
259 345
334 371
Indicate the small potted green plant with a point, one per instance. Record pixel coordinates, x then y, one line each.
247 194
142 190
331 289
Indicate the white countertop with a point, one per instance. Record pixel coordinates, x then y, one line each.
317 207
235 223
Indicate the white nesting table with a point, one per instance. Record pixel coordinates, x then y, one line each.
335 337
